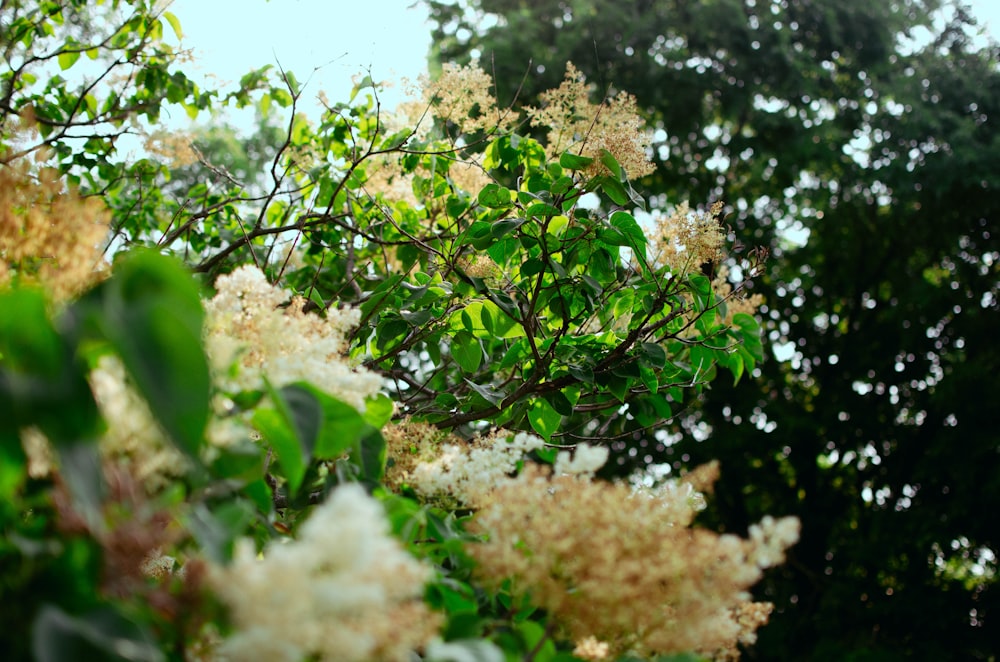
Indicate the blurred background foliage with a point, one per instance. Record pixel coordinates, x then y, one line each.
858 141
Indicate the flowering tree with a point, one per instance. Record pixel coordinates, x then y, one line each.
359 412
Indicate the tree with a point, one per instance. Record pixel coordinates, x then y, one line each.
853 139
343 412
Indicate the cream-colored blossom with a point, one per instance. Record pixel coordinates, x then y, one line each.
158 565
584 461
479 265
345 590
684 240
461 97
735 302
387 180
469 471
176 147
39 453
592 649
469 176
246 325
408 444
49 235
622 566
575 124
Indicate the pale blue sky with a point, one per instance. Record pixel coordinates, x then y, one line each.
339 37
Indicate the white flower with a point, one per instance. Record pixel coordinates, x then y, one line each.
245 325
771 537
472 471
345 590
585 461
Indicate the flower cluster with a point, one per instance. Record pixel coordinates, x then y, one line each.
617 566
574 123
245 324
470 471
408 444
584 461
48 235
344 591
684 240
461 97
736 301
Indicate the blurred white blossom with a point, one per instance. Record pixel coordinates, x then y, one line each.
246 324
344 591
470 471
585 460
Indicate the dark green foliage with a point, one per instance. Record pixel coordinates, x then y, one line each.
873 126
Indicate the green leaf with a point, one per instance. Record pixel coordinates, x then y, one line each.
278 434
557 224
81 469
560 403
240 462
750 332
13 462
216 530
67 59
541 210
103 634
574 161
503 250
627 225
467 350
536 638
40 373
736 366
379 410
611 163
485 319
28 341
381 296
613 189
494 196
562 185
175 24
543 418
505 226
292 429
532 266
464 650
369 455
490 394
342 426
153 317
652 355
700 285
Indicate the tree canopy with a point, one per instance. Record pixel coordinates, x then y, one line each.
857 141
346 388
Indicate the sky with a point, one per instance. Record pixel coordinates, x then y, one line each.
325 41
330 41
